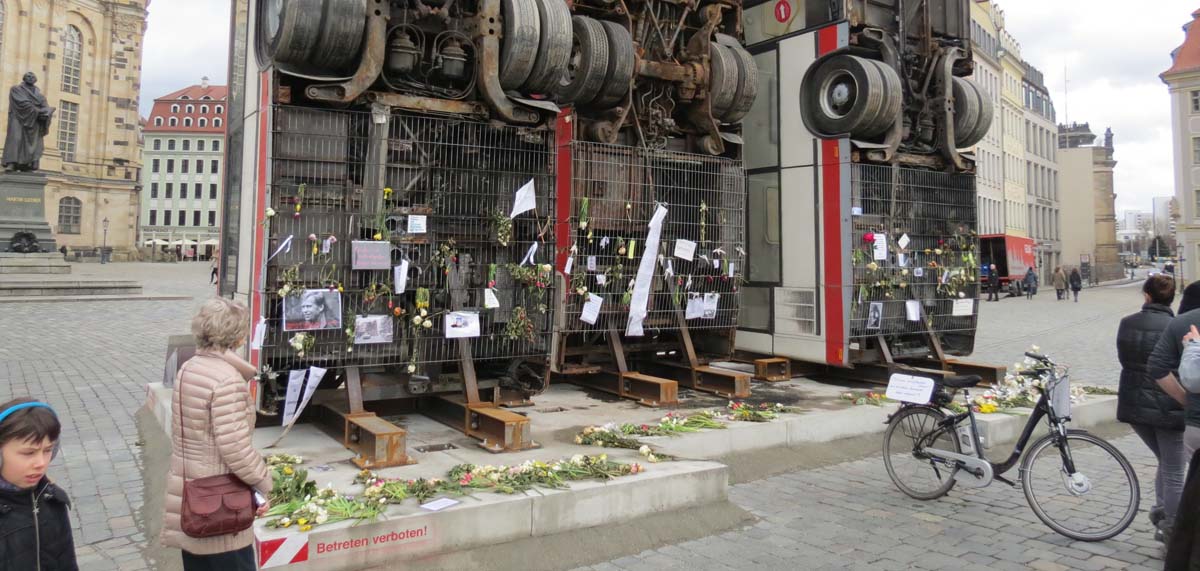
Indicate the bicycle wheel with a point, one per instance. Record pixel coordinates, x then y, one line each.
1095 503
912 470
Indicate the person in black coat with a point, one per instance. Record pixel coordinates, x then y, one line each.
1076 282
35 524
1183 548
993 285
1152 413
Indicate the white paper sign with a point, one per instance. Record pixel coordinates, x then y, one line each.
881 247
294 386
439 504
525 200
945 276
645 274
591 309
670 269
908 388
711 300
416 223
400 276
903 241
856 211
716 263
462 324
731 268
919 272
685 249
695 307
326 245
260 331
963 307
489 299
570 264
591 263
604 242
315 374
912 308
601 279
902 260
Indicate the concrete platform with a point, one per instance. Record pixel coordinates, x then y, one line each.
75 298
40 263
65 288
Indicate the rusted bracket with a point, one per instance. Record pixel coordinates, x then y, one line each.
497 430
369 66
700 112
488 66
944 106
772 369
428 104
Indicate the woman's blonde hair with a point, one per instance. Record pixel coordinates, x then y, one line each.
220 324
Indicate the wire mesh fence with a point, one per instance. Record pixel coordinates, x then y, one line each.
914 252
698 258
392 238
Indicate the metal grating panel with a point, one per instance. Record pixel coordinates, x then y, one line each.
705 197
936 211
329 172
796 311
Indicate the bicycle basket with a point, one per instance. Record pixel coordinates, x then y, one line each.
1058 394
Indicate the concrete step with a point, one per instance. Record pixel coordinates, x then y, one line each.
26 288
64 269
93 298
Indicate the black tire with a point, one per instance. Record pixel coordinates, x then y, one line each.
554 47
292 36
987 112
893 93
747 86
342 28
588 64
844 94
619 76
900 442
723 79
966 113
1094 458
519 46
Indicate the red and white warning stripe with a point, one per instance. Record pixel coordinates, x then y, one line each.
283 551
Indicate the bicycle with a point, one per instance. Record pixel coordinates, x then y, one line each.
1088 491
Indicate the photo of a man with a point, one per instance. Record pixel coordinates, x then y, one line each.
314 309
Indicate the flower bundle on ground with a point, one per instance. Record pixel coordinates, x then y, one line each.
862 398
740 411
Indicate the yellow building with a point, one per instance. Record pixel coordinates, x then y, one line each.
1012 114
87 55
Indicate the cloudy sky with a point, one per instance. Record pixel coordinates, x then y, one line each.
1111 51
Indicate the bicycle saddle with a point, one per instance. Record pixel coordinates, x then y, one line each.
961 381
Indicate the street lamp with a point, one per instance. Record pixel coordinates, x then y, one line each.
104 243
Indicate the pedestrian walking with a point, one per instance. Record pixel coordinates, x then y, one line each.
1076 282
35 521
63 250
212 278
1031 283
1060 283
993 283
1154 416
211 435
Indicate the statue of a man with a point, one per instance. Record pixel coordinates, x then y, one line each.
28 121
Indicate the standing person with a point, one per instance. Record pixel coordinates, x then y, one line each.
63 250
211 434
1060 283
993 284
35 524
1151 412
212 279
1031 282
1076 282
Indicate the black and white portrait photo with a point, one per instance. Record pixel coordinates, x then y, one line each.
875 316
372 329
313 309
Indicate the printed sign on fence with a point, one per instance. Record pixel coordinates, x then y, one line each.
908 388
371 255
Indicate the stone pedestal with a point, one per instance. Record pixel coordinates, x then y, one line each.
40 263
23 227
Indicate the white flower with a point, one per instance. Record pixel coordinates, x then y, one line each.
1035 348
417 319
961 295
644 450
428 324
412 368
270 212
423 312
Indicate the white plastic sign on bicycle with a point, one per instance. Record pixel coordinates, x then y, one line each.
908 388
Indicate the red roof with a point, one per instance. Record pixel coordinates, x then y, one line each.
204 102
1187 56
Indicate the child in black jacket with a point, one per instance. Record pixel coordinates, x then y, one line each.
35 526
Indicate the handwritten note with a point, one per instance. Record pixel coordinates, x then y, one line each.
417 223
525 200
909 388
370 255
591 309
963 307
880 250
591 263
400 276
489 299
685 249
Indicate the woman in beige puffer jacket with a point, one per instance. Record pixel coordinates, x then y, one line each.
218 443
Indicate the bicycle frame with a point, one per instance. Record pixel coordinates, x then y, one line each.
1041 410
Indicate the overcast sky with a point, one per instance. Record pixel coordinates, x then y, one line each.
1111 50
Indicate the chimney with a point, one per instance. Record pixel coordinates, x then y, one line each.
204 82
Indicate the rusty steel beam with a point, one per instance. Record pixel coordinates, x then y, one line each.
375 442
497 430
646 389
428 104
772 369
488 66
721 382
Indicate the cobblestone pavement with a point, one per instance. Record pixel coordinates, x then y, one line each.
1082 335
91 362
850 516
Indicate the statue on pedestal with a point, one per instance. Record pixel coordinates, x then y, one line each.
28 122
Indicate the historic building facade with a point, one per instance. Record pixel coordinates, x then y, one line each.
87 55
183 178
